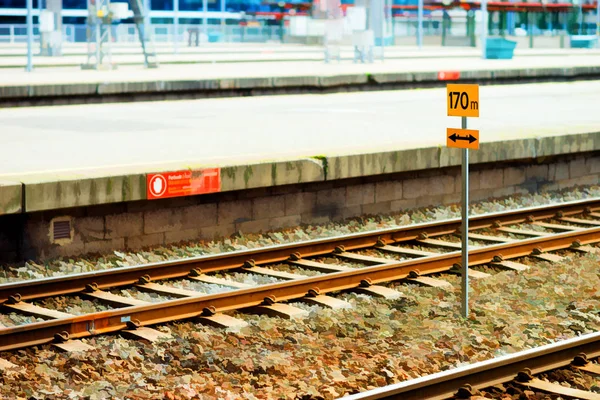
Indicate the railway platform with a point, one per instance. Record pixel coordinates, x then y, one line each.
78 179
70 85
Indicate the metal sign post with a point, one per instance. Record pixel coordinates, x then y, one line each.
463 101
465 228
29 67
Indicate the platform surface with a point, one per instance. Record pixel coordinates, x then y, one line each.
239 130
248 67
68 156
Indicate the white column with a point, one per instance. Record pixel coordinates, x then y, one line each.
176 26
420 23
29 67
484 28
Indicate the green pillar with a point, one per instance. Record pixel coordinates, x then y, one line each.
573 17
471 27
530 25
444 27
503 23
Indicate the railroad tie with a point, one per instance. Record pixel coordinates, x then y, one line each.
156 287
317 266
250 267
442 243
584 249
200 277
587 249
314 297
149 334
223 321
406 251
580 221
457 269
515 266
560 390
414 276
72 346
273 309
361 258
119 301
523 232
143 332
591 368
537 253
63 342
368 288
490 238
38 311
582 363
557 227
380 291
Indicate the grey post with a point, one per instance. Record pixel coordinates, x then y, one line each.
223 17
29 67
465 228
382 30
598 23
484 20
176 26
146 19
581 17
205 17
420 23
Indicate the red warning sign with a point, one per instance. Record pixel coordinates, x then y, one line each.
183 183
448 75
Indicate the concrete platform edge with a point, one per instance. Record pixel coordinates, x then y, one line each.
61 190
11 196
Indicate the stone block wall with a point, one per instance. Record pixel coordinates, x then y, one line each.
137 224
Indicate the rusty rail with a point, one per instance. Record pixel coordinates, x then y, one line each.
444 385
115 320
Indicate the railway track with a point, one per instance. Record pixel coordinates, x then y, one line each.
421 249
518 369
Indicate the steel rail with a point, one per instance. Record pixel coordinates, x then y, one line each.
444 385
190 307
68 284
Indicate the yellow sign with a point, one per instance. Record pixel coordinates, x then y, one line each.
462 138
462 100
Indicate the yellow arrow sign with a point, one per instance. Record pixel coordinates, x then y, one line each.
462 138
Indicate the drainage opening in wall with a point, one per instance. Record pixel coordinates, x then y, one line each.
61 230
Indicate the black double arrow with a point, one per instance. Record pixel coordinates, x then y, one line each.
454 137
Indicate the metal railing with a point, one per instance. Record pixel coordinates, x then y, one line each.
165 33
161 33
16 33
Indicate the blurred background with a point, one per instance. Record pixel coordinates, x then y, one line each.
181 23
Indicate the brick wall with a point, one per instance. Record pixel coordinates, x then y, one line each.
134 225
